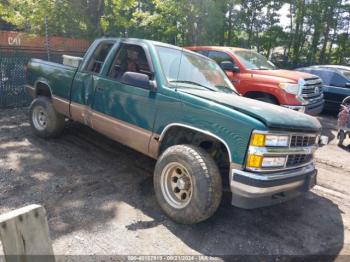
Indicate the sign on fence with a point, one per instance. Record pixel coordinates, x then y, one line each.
10 39
16 48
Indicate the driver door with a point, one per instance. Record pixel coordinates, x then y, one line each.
122 111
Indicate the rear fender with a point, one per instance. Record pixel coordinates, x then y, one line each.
42 81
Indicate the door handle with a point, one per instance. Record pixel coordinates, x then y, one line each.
100 89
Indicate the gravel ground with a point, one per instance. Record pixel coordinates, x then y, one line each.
99 198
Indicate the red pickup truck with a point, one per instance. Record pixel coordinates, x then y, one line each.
256 77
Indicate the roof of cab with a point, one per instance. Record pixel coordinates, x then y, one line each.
152 42
340 67
217 48
139 40
326 68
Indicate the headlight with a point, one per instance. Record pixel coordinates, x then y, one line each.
261 140
258 161
261 143
273 162
290 88
272 140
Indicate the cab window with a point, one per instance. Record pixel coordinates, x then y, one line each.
325 75
338 80
202 52
219 56
129 58
98 57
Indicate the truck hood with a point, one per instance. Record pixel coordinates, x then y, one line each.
293 76
274 117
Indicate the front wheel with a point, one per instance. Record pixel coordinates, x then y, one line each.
267 99
187 184
44 119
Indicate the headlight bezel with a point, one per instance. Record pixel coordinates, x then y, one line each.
290 88
261 140
277 157
264 139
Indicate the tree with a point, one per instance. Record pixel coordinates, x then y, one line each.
318 30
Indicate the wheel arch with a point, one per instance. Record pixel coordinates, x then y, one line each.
256 94
214 145
42 88
169 127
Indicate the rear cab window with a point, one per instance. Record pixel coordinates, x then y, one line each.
98 57
219 57
202 52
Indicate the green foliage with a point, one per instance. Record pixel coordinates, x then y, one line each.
316 31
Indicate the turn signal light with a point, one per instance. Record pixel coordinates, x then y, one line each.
258 139
255 161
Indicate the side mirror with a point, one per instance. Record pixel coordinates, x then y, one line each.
229 66
138 80
236 69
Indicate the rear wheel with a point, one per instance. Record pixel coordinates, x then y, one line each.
187 184
44 119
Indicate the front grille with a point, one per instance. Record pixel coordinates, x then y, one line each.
312 88
301 141
297 160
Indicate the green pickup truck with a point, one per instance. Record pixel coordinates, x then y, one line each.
179 108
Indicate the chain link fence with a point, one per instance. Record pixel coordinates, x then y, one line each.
13 60
12 79
13 75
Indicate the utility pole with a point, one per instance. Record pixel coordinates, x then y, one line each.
47 42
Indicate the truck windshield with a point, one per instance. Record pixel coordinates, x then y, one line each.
186 70
254 61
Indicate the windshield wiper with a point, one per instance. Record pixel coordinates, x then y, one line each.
225 89
192 83
264 68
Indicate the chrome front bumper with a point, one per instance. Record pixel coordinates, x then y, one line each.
313 108
252 190
296 108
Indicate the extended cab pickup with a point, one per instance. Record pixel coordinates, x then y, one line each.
180 108
256 77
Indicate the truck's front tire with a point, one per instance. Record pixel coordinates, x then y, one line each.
187 184
44 119
267 99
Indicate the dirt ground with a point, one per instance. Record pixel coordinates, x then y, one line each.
99 198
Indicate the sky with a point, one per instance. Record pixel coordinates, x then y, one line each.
283 12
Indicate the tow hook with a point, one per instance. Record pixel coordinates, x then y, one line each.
279 195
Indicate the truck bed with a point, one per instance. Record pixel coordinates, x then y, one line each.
57 76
